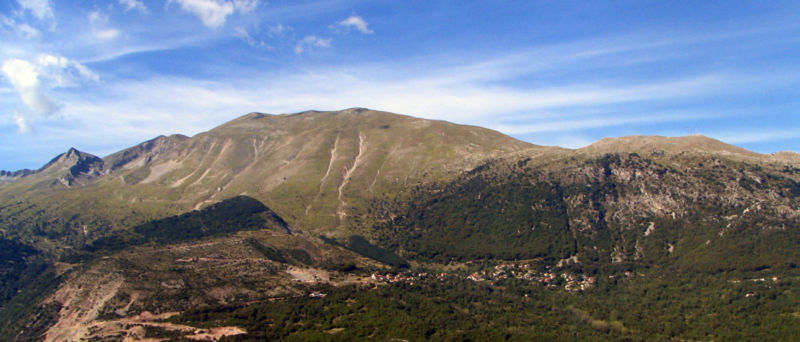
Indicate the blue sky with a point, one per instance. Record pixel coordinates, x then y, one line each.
105 75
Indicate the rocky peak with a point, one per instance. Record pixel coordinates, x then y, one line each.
73 167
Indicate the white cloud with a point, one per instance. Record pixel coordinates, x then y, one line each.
311 41
214 13
279 29
356 22
99 22
85 72
245 6
41 9
28 31
24 76
241 32
106 35
32 80
133 4
95 16
22 123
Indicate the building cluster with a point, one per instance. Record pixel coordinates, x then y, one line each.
400 277
569 281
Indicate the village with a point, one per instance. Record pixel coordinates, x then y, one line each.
569 281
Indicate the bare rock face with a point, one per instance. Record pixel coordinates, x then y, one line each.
73 168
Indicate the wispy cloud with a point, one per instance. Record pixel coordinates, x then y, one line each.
22 29
214 13
245 6
133 5
279 29
22 123
311 41
41 9
356 22
100 30
106 34
755 136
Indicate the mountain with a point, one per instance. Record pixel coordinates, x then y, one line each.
246 228
67 169
9 176
321 170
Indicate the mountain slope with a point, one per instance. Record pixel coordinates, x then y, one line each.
322 171
318 167
703 209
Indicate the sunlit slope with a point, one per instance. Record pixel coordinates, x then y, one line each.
319 170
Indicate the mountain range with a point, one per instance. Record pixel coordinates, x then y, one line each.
272 208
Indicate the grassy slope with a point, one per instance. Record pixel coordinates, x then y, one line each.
307 167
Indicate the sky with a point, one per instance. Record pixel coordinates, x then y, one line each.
101 76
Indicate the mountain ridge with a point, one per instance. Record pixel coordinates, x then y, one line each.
270 210
630 143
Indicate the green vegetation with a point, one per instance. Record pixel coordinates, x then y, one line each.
25 278
223 218
442 312
510 211
653 307
15 269
360 245
21 316
483 216
286 256
226 217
